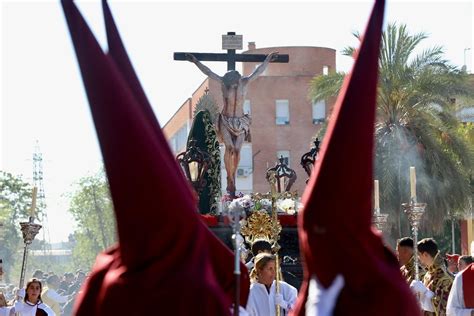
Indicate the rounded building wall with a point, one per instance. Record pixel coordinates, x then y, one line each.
303 61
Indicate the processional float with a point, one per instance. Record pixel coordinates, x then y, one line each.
261 225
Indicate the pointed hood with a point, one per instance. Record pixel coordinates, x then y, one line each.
335 225
221 256
163 246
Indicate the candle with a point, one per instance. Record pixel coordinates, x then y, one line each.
376 196
413 183
33 202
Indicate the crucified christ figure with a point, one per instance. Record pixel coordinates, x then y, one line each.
233 126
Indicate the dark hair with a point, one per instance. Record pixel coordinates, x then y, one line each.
429 246
467 259
51 278
405 242
38 274
31 281
260 246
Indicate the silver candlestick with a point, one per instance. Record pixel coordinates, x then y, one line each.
414 212
380 220
29 230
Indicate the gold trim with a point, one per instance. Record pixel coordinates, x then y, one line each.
260 226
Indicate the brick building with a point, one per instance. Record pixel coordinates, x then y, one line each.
283 118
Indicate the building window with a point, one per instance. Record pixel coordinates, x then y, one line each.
325 70
319 112
247 109
179 139
286 156
282 112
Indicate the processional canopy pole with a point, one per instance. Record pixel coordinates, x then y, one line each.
236 213
29 230
276 186
280 178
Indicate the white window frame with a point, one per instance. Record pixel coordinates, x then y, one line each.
319 112
282 106
247 108
285 154
325 70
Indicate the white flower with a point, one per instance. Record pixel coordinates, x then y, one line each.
245 201
234 204
287 206
265 203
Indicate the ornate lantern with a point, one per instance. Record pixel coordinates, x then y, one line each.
308 159
195 163
29 230
281 177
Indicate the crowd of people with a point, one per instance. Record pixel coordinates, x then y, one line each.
439 285
44 294
444 285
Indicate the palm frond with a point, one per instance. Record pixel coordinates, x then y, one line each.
416 126
325 86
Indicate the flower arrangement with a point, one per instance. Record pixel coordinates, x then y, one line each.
226 199
263 204
245 202
287 206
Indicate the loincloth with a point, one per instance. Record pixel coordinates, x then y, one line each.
235 125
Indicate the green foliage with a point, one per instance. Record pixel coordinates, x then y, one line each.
326 86
91 207
444 237
15 202
416 126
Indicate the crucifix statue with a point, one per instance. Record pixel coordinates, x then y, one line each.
232 125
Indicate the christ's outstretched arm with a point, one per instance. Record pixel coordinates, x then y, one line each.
204 69
261 68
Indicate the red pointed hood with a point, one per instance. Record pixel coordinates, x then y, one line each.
163 246
222 258
335 225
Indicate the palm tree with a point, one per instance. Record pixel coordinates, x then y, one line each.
416 126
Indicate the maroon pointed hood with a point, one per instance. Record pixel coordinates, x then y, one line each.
222 258
163 246
335 225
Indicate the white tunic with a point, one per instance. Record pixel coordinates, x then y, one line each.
262 303
5 311
25 309
455 305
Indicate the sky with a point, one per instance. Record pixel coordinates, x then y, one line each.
42 97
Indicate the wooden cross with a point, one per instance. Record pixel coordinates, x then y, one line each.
231 57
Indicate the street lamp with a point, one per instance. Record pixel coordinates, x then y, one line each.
308 159
195 163
281 177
